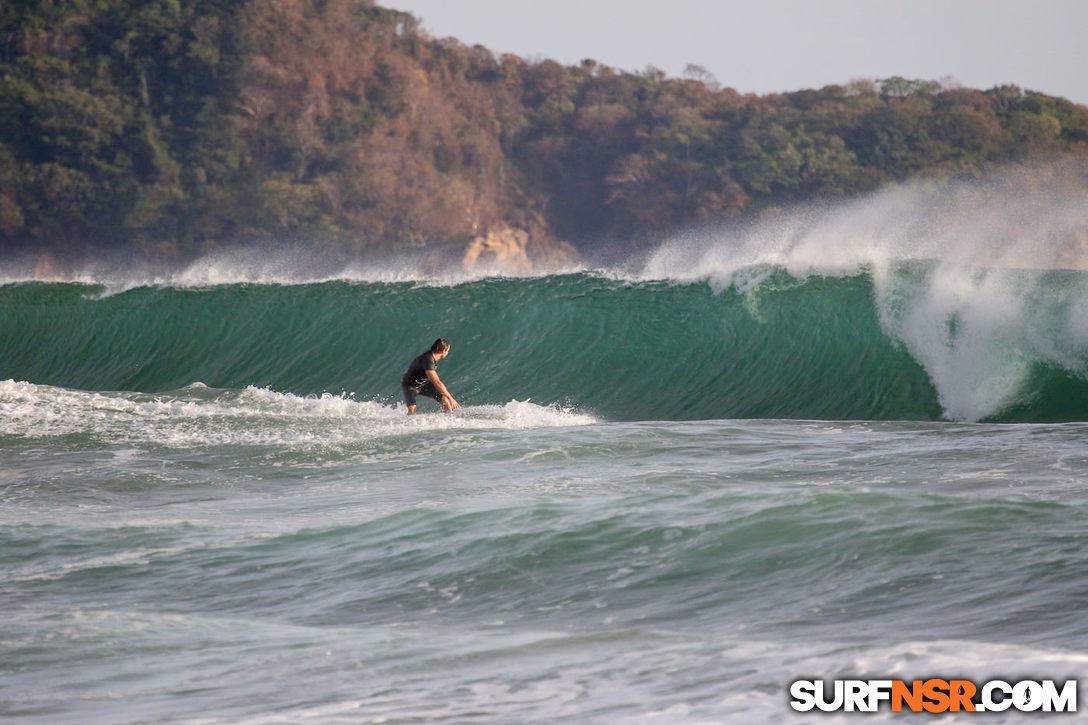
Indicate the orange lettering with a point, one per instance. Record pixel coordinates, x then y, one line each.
936 692
911 695
961 692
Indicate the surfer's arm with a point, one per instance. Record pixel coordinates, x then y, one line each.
441 388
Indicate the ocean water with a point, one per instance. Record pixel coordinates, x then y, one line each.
671 491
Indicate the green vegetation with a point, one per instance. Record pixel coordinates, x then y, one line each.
170 127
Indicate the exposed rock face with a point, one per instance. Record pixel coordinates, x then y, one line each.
502 251
510 251
45 269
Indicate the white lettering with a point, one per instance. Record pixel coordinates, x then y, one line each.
879 691
1027 696
993 696
856 696
821 696
803 693
1064 701
989 704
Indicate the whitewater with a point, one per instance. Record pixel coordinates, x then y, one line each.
844 442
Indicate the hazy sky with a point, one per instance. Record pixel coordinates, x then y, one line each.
766 46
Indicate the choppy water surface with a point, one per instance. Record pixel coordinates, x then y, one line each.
227 556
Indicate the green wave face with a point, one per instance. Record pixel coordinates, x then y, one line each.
861 346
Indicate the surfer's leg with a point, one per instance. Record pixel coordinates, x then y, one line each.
431 392
409 399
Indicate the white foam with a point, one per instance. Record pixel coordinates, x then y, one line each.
196 417
979 660
982 310
978 333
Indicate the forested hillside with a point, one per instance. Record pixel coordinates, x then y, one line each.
171 127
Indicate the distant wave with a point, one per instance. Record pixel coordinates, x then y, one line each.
914 341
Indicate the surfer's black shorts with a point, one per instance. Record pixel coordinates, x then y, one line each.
427 389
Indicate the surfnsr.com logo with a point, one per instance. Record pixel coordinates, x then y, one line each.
934 695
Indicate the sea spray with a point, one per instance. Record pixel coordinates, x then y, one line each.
966 276
1019 219
985 336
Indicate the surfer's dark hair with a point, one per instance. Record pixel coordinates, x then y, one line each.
440 345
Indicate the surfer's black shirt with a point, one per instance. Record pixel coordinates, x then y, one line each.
416 375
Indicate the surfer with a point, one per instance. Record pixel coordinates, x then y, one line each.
421 378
